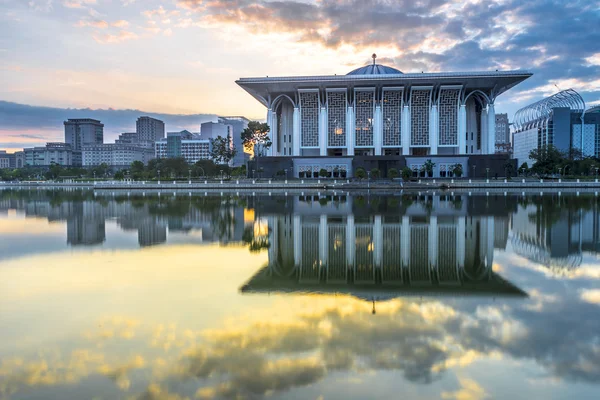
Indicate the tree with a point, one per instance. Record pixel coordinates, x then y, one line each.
375 173
406 173
360 173
222 150
428 166
509 168
119 175
137 170
524 169
392 173
546 159
457 170
255 138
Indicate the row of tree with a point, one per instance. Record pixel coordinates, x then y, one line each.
550 161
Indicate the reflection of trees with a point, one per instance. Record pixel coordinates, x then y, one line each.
256 243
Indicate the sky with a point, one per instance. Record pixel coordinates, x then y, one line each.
128 58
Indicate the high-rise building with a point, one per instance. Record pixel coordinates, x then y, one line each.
79 132
502 133
560 120
149 129
232 127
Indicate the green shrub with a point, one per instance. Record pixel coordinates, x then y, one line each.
392 173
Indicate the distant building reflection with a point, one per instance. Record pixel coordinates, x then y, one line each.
382 257
555 235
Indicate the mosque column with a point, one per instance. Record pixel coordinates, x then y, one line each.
433 241
491 117
350 241
377 241
323 242
405 241
350 133
297 240
490 243
484 134
271 118
406 131
461 242
433 130
296 132
273 238
378 130
323 131
462 129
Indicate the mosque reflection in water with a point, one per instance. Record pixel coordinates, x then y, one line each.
373 247
432 247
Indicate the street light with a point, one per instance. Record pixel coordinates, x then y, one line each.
473 171
596 173
221 174
487 174
158 176
190 175
369 180
285 170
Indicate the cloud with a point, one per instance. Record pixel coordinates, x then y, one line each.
470 390
122 36
101 24
120 23
591 296
46 123
77 3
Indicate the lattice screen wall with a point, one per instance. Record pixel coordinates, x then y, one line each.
336 119
309 119
448 120
419 117
364 109
392 118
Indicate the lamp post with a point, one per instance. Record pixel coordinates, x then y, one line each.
190 175
158 170
369 180
285 170
473 176
221 174
559 172
487 174
596 173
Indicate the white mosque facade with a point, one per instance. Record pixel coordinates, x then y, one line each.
377 116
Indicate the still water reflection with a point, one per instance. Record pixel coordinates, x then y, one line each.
298 297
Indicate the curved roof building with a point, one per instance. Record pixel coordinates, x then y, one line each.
379 116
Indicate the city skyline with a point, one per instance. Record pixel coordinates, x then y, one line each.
183 56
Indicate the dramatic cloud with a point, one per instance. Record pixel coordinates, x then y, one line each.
209 44
49 122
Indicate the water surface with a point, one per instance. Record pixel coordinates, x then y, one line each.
418 296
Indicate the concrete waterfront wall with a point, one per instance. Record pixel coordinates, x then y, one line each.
281 186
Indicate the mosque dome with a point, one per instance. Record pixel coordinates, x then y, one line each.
374 69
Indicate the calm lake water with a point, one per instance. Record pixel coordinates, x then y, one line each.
299 297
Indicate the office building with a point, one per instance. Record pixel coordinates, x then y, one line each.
557 120
80 132
377 116
183 144
149 129
115 155
7 160
52 153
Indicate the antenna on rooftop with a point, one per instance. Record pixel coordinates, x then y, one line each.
557 87
374 56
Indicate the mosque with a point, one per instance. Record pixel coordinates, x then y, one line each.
379 117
